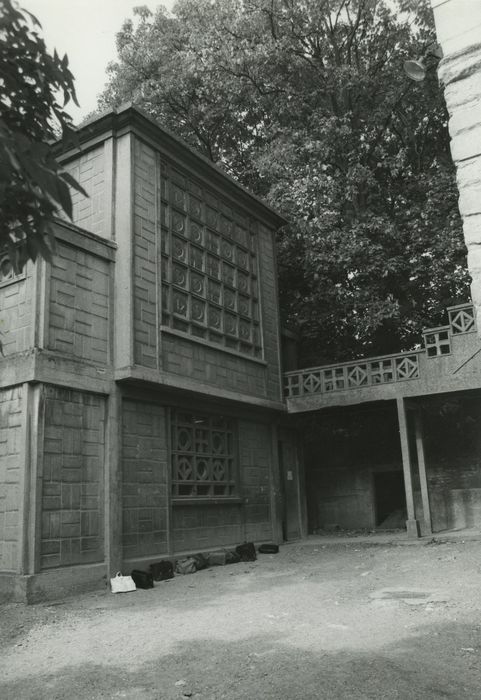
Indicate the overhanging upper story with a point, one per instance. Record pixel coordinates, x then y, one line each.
166 277
449 361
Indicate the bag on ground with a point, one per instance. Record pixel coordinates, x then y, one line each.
216 558
162 570
201 561
268 548
185 566
122 584
246 551
231 557
142 579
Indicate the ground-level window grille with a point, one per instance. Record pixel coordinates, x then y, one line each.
203 461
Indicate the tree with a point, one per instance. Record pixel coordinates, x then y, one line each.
306 103
33 187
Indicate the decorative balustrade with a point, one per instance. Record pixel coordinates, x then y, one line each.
461 319
437 341
381 370
352 375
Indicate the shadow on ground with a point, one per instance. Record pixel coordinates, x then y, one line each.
441 661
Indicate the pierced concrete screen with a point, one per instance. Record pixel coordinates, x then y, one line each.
209 269
203 463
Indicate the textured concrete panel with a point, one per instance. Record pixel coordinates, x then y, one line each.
10 465
79 305
144 479
145 255
73 473
89 171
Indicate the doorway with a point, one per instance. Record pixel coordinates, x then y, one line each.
389 499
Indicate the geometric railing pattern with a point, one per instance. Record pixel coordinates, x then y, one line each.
461 319
381 370
437 341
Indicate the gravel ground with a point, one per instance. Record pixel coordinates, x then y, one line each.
335 620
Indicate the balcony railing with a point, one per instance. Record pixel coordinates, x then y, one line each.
353 375
380 370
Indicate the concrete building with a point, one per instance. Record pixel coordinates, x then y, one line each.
150 406
141 387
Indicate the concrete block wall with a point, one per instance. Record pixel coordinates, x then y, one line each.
72 509
16 305
146 240
207 526
172 353
144 479
211 366
11 448
454 482
79 305
270 312
255 465
90 171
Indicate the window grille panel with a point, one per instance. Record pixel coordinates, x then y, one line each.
203 461
209 269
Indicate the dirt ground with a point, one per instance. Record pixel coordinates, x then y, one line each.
341 620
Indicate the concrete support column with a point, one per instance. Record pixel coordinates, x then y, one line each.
113 484
422 473
458 28
412 524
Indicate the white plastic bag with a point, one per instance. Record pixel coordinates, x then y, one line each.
122 584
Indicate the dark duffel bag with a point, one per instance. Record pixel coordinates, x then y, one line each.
142 579
269 548
162 570
246 551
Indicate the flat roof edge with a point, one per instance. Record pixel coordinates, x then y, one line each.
127 115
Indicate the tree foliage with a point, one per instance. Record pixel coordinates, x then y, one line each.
306 103
33 187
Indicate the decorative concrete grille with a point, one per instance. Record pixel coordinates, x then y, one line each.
437 342
203 463
209 270
461 319
352 376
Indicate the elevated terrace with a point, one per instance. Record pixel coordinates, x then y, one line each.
450 360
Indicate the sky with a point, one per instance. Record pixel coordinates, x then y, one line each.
85 30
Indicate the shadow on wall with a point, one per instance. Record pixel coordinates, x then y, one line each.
437 663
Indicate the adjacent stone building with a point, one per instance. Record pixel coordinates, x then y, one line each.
141 388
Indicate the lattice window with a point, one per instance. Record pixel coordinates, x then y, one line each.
209 269
437 343
203 461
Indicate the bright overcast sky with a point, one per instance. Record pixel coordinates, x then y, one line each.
85 30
